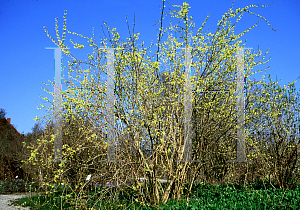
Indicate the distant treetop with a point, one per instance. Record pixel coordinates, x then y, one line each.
2 113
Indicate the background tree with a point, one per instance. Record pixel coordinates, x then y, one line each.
2 113
10 150
278 137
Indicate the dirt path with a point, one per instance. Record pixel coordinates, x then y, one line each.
5 201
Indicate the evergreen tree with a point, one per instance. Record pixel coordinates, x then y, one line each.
2 113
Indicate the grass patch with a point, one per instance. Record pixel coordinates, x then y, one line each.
253 196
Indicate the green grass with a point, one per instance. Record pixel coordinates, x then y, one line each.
205 197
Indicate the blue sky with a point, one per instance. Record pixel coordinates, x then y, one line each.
25 62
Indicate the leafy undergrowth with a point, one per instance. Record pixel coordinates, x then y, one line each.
254 196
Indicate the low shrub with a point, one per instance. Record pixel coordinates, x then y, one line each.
17 186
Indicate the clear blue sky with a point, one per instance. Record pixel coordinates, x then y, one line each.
25 62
